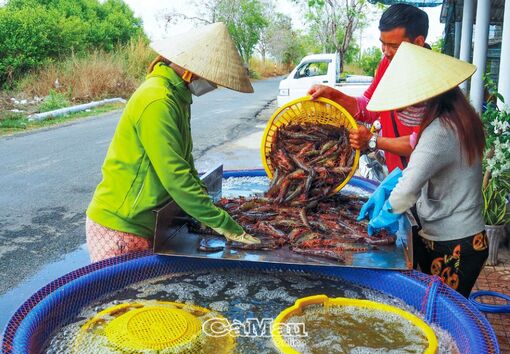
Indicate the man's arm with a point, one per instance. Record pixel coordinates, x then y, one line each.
400 146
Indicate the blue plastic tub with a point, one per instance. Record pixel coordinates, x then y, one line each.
48 309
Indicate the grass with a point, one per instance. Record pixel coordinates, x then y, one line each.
14 122
269 68
353 69
73 80
94 76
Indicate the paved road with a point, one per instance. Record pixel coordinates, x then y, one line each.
47 178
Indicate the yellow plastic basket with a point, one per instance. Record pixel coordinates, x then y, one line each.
304 110
157 326
300 305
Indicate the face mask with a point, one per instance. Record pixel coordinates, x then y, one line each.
200 87
412 115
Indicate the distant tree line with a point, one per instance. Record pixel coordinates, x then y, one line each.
37 32
255 25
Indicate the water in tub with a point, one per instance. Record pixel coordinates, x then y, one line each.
254 299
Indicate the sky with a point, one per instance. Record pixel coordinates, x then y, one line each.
152 11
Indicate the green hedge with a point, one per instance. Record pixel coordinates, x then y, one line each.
35 32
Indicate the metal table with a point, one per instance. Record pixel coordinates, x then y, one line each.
172 237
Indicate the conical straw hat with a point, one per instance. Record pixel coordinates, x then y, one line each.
208 52
416 74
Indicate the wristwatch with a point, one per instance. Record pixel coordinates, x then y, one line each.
372 142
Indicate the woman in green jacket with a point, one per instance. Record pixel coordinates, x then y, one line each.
149 161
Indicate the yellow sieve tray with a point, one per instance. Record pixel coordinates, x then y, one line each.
306 110
300 304
160 326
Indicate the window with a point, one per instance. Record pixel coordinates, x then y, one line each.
312 69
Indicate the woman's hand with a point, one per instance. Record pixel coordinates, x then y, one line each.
375 203
386 219
243 237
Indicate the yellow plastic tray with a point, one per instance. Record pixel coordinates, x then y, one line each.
304 110
300 304
163 325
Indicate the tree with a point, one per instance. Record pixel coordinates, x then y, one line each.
244 19
269 31
205 12
352 53
284 44
334 22
294 51
370 60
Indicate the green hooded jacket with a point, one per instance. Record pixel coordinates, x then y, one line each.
149 162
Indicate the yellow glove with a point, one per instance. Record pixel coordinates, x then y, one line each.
242 238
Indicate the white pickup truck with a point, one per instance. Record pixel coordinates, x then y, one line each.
319 69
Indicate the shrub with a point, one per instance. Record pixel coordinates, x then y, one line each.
27 39
494 200
496 181
54 100
34 33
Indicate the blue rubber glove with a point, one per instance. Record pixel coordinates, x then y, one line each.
374 205
386 219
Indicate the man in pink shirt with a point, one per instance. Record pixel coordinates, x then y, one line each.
399 23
